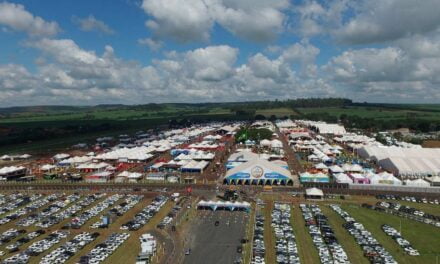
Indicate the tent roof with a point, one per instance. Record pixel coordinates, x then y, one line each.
261 163
314 192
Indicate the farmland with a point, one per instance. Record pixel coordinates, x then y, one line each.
379 113
31 128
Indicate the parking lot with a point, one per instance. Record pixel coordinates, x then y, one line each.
69 227
211 243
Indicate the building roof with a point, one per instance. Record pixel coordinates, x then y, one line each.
314 192
259 169
245 155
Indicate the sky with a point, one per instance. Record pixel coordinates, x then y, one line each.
78 52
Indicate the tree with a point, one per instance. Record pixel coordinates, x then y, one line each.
260 117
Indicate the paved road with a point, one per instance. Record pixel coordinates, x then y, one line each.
215 244
292 161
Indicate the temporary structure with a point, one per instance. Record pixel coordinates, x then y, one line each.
265 143
335 169
314 193
417 183
343 178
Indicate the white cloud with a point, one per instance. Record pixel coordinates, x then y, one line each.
193 20
316 17
152 44
67 74
263 67
255 20
409 71
90 24
182 20
17 18
66 51
379 21
214 63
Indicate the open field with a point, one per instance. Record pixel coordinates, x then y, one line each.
354 252
112 113
269 237
422 236
31 129
374 112
278 112
431 144
306 249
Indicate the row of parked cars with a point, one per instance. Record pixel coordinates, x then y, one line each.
403 243
80 220
37 248
372 249
414 213
168 219
16 200
143 217
407 198
10 234
36 212
258 248
129 202
286 248
12 205
329 249
103 250
17 244
69 249
70 211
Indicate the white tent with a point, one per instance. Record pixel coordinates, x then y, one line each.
124 174
343 178
5 157
61 156
435 180
276 144
321 166
24 156
352 167
47 167
265 143
417 183
336 169
314 193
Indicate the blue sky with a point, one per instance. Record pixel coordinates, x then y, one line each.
140 51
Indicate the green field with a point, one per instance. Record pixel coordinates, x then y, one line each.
116 114
374 112
425 238
43 128
278 112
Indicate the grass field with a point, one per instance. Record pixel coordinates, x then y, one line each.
306 249
278 112
269 236
374 112
117 113
423 237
